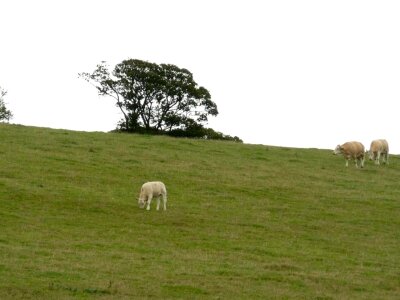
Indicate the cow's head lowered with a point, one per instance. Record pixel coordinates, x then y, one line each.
142 202
338 150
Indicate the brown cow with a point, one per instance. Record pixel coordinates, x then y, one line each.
351 150
377 149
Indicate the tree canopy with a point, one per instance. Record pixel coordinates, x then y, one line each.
5 114
153 97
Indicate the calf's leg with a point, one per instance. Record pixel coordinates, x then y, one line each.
165 201
158 202
149 201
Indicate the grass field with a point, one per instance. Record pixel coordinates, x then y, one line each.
243 221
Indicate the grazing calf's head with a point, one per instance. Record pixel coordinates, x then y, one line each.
371 155
142 202
337 150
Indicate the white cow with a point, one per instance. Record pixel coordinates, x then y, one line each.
351 150
150 190
377 149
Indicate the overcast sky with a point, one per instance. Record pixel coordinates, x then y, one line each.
309 74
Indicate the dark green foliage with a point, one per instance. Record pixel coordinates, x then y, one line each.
153 97
198 131
5 114
194 130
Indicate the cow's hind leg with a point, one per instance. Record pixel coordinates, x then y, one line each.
158 202
385 158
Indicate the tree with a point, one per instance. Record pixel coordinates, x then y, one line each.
5 114
153 97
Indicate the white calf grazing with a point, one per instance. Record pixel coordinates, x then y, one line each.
150 190
377 149
351 150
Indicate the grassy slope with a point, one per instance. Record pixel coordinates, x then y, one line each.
243 221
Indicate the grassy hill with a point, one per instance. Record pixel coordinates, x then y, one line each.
243 221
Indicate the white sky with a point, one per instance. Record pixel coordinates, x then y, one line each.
285 72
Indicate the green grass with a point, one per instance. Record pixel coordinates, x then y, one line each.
243 221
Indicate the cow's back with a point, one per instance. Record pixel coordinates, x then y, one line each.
157 187
380 145
376 145
385 146
354 148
